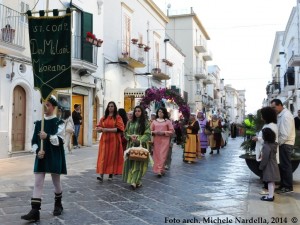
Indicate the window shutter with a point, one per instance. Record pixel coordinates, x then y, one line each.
86 26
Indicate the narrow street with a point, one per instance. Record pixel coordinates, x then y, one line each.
218 189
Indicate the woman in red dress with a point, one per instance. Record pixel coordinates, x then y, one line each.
110 155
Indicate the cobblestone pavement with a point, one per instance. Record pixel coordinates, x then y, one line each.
218 189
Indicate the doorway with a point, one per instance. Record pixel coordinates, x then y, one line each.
95 120
78 99
18 119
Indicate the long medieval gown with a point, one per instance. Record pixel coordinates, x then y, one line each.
110 154
192 144
161 143
133 171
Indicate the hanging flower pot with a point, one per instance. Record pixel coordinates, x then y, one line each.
141 45
134 41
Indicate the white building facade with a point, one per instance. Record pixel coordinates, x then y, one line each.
137 53
285 63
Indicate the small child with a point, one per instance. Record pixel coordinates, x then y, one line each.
268 163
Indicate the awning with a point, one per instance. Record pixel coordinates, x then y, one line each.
136 92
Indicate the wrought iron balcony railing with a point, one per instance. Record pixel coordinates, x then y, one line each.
12 27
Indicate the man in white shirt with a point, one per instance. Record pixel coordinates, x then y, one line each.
286 141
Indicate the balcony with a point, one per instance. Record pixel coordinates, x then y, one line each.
200 73
84 54
273 89
161 70
294 59
200 46
12 31
209 80
207 56
132 54
289 79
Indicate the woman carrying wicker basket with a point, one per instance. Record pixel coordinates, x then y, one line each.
137 133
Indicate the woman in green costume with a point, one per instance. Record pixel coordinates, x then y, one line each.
137 131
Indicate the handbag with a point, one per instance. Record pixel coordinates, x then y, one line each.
69 128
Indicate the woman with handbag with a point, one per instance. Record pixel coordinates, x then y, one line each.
137 133
110 154
69 130
162 130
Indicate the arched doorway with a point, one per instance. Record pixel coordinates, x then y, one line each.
18 119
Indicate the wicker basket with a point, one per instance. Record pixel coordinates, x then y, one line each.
138 154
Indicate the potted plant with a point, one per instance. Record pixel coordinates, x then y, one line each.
134 41
140 45
8 33
146 48
90 37
125 54
156 70
99 42
170 63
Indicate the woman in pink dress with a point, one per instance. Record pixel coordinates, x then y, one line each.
162 130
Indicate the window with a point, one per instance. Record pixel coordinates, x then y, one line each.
124 44
156 56
24 8
126 34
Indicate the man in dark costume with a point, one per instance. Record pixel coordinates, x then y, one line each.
51 160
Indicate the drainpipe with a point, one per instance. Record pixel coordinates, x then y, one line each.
148 56
166 40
